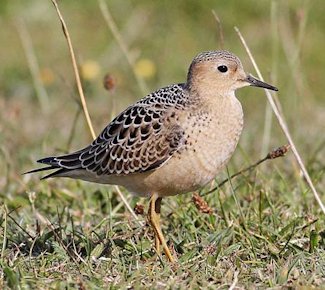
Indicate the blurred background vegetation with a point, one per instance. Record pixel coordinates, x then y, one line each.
286 38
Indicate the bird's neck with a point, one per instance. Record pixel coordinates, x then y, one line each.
207 95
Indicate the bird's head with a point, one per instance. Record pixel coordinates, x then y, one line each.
220 72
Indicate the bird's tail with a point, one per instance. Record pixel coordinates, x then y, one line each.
53 164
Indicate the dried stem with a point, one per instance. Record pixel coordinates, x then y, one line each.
117 35
268 120
127 205
283 125
221 38
32 64
82 96
75 69
279 152
4 239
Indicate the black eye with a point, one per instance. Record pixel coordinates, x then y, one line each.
222 68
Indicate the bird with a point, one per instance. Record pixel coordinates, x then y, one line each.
174 140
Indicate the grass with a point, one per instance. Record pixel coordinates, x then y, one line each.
77 235
265 229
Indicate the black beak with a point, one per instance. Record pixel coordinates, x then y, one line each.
257 83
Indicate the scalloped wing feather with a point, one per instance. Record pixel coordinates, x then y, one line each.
141 138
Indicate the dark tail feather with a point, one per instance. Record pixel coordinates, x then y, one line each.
41 169
49 160
53 165
55 173
70 161
62 163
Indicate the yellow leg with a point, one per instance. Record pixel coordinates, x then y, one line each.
154 218
157 211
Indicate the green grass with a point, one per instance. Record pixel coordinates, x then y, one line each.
266 229
269 238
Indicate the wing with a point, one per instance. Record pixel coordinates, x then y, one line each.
141 138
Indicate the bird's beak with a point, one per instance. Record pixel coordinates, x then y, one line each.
257 83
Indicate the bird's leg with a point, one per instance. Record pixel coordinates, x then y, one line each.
154 218
157 210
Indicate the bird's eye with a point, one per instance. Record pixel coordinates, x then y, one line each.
222 68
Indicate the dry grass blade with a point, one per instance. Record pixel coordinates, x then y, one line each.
127 205
82 96
268 119
4 239
113 28
276 153
221 37
235 281
75 69
32 64
283 125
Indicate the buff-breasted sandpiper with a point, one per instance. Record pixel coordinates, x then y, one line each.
174 140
